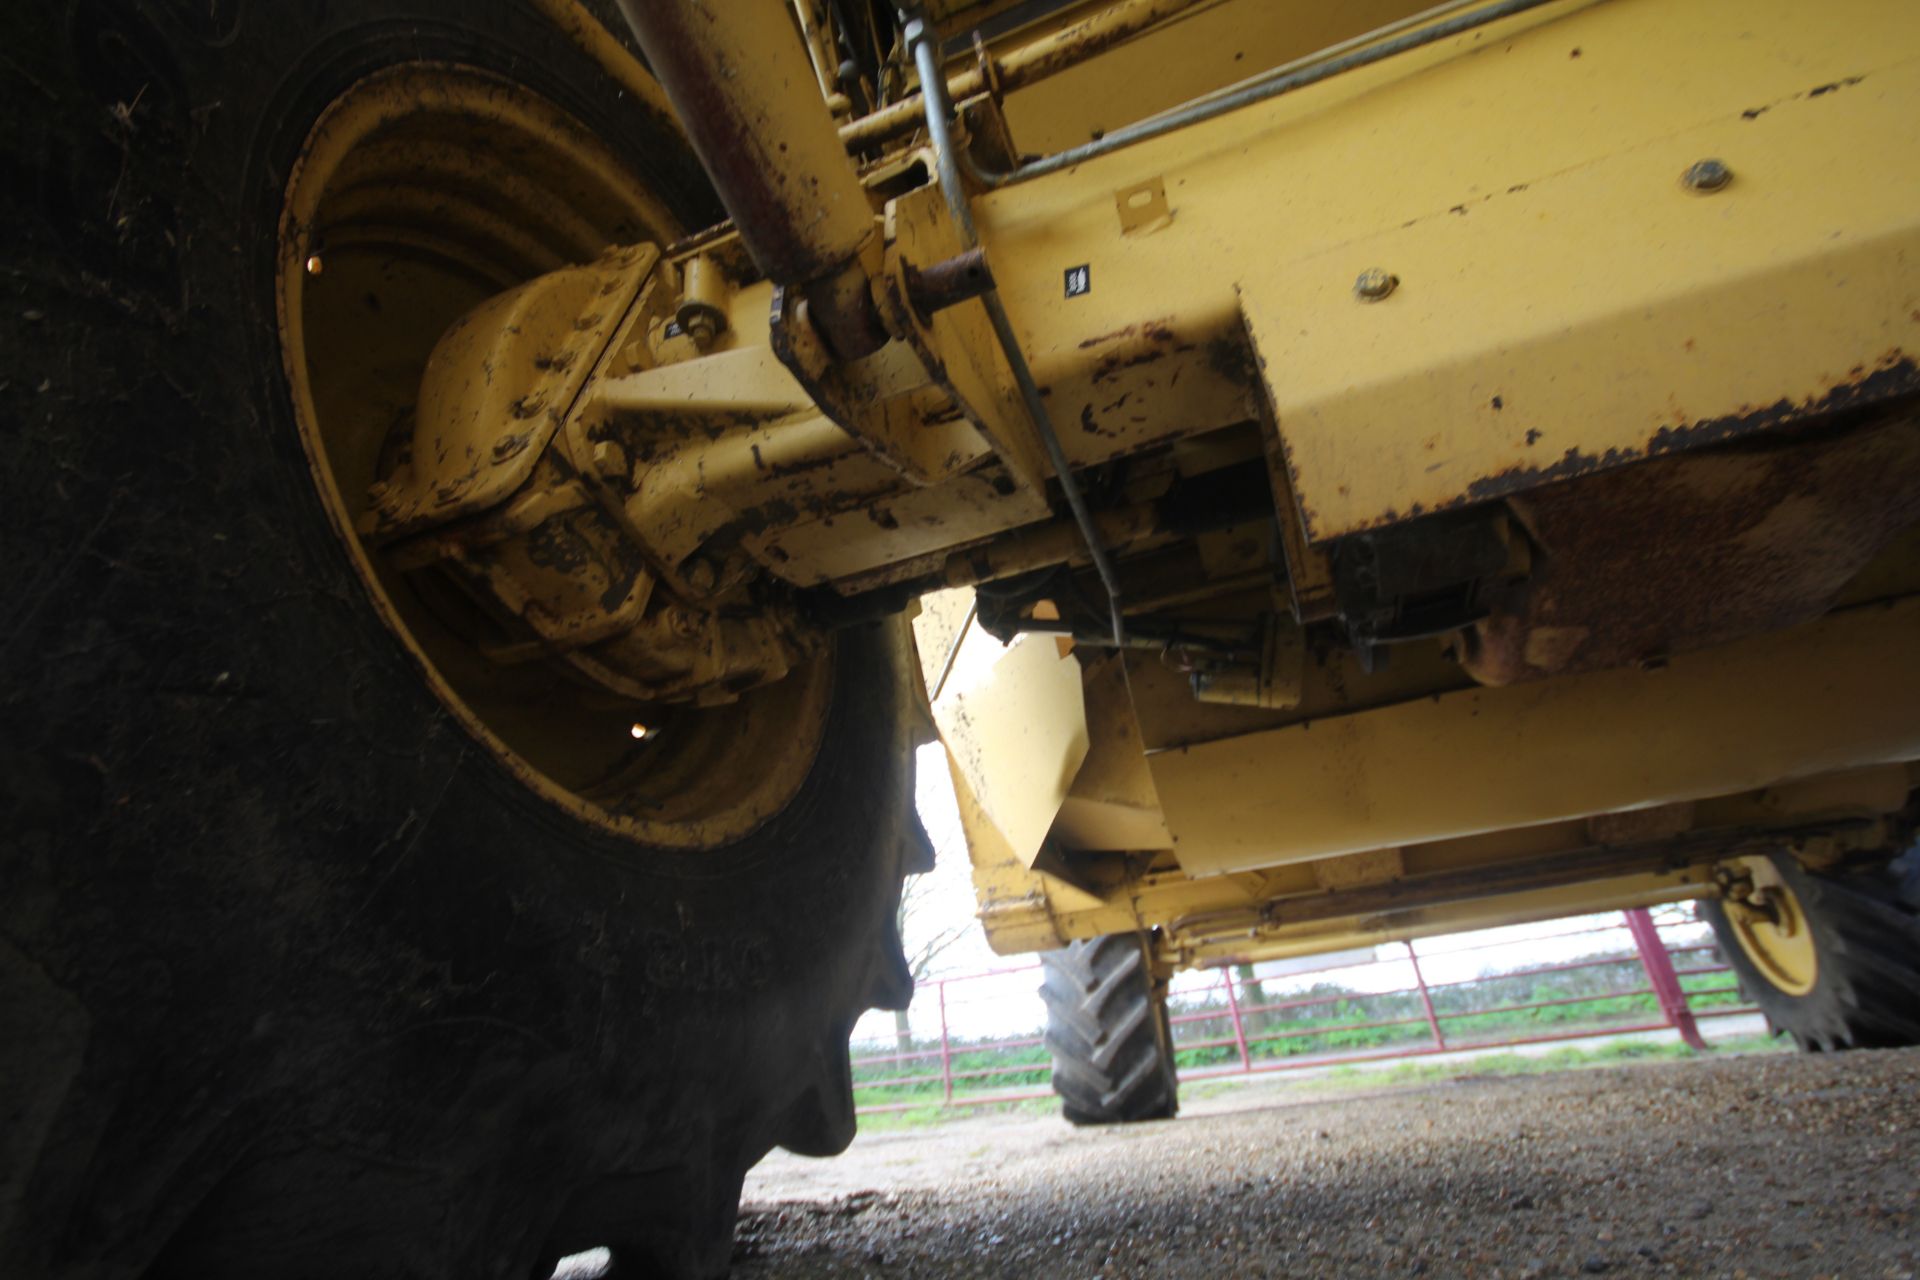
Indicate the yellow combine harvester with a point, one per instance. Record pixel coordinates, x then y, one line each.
470 467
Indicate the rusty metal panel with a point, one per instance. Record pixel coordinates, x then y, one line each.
1564 302
1502 360
1839 693
1690 550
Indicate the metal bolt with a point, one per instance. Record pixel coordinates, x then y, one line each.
609 459
528 405
685 623
1706 176
699 573
507 446
1374 284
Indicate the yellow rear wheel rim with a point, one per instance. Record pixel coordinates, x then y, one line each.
1777 939
420 192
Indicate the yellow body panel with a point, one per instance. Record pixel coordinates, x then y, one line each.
1562 303
1466 277
1839 693
1529 200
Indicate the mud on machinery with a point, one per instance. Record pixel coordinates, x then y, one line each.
1471 454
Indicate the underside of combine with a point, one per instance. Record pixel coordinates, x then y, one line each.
1441 467
1474 463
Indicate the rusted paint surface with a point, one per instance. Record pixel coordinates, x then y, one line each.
1697 548
949 282
1154 380
740 81
1894 375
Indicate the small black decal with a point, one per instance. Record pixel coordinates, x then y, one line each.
1079 280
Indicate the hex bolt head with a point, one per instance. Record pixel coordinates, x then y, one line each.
699 573
1374 284
1706 176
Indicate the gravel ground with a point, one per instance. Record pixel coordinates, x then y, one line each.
1758 1166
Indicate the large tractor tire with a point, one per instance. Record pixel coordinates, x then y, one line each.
1108 1032
1833 960
306 970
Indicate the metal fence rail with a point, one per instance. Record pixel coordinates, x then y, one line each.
957 1071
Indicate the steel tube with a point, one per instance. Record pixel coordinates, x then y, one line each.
745 91
1260 89
1426 997
1033 61
949 283
939 131
1658 963
1239 1029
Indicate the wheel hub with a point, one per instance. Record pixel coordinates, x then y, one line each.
1771 927
428 195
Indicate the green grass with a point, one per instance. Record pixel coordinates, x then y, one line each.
1467 1013
1457 1008
935 1114
1348 1079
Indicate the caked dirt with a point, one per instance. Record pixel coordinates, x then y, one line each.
1767 1165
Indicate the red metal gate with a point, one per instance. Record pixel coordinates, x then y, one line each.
1230 1014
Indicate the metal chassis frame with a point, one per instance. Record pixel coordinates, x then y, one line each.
1525 254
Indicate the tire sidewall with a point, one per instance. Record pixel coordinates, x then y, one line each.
290 895
1817 1014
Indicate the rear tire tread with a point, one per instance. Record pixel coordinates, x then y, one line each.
1866 929
1108 1033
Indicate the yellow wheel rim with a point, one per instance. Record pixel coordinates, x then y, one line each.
1775 935
422 191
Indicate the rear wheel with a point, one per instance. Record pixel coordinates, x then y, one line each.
326 946
1833 961
1108 1031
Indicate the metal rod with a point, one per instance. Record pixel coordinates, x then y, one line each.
1033 61
1259 89
1666 985
820 51
949 283
1377 34
953 650
1239 1029
934 96
1158 640
946 1048
1426 997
